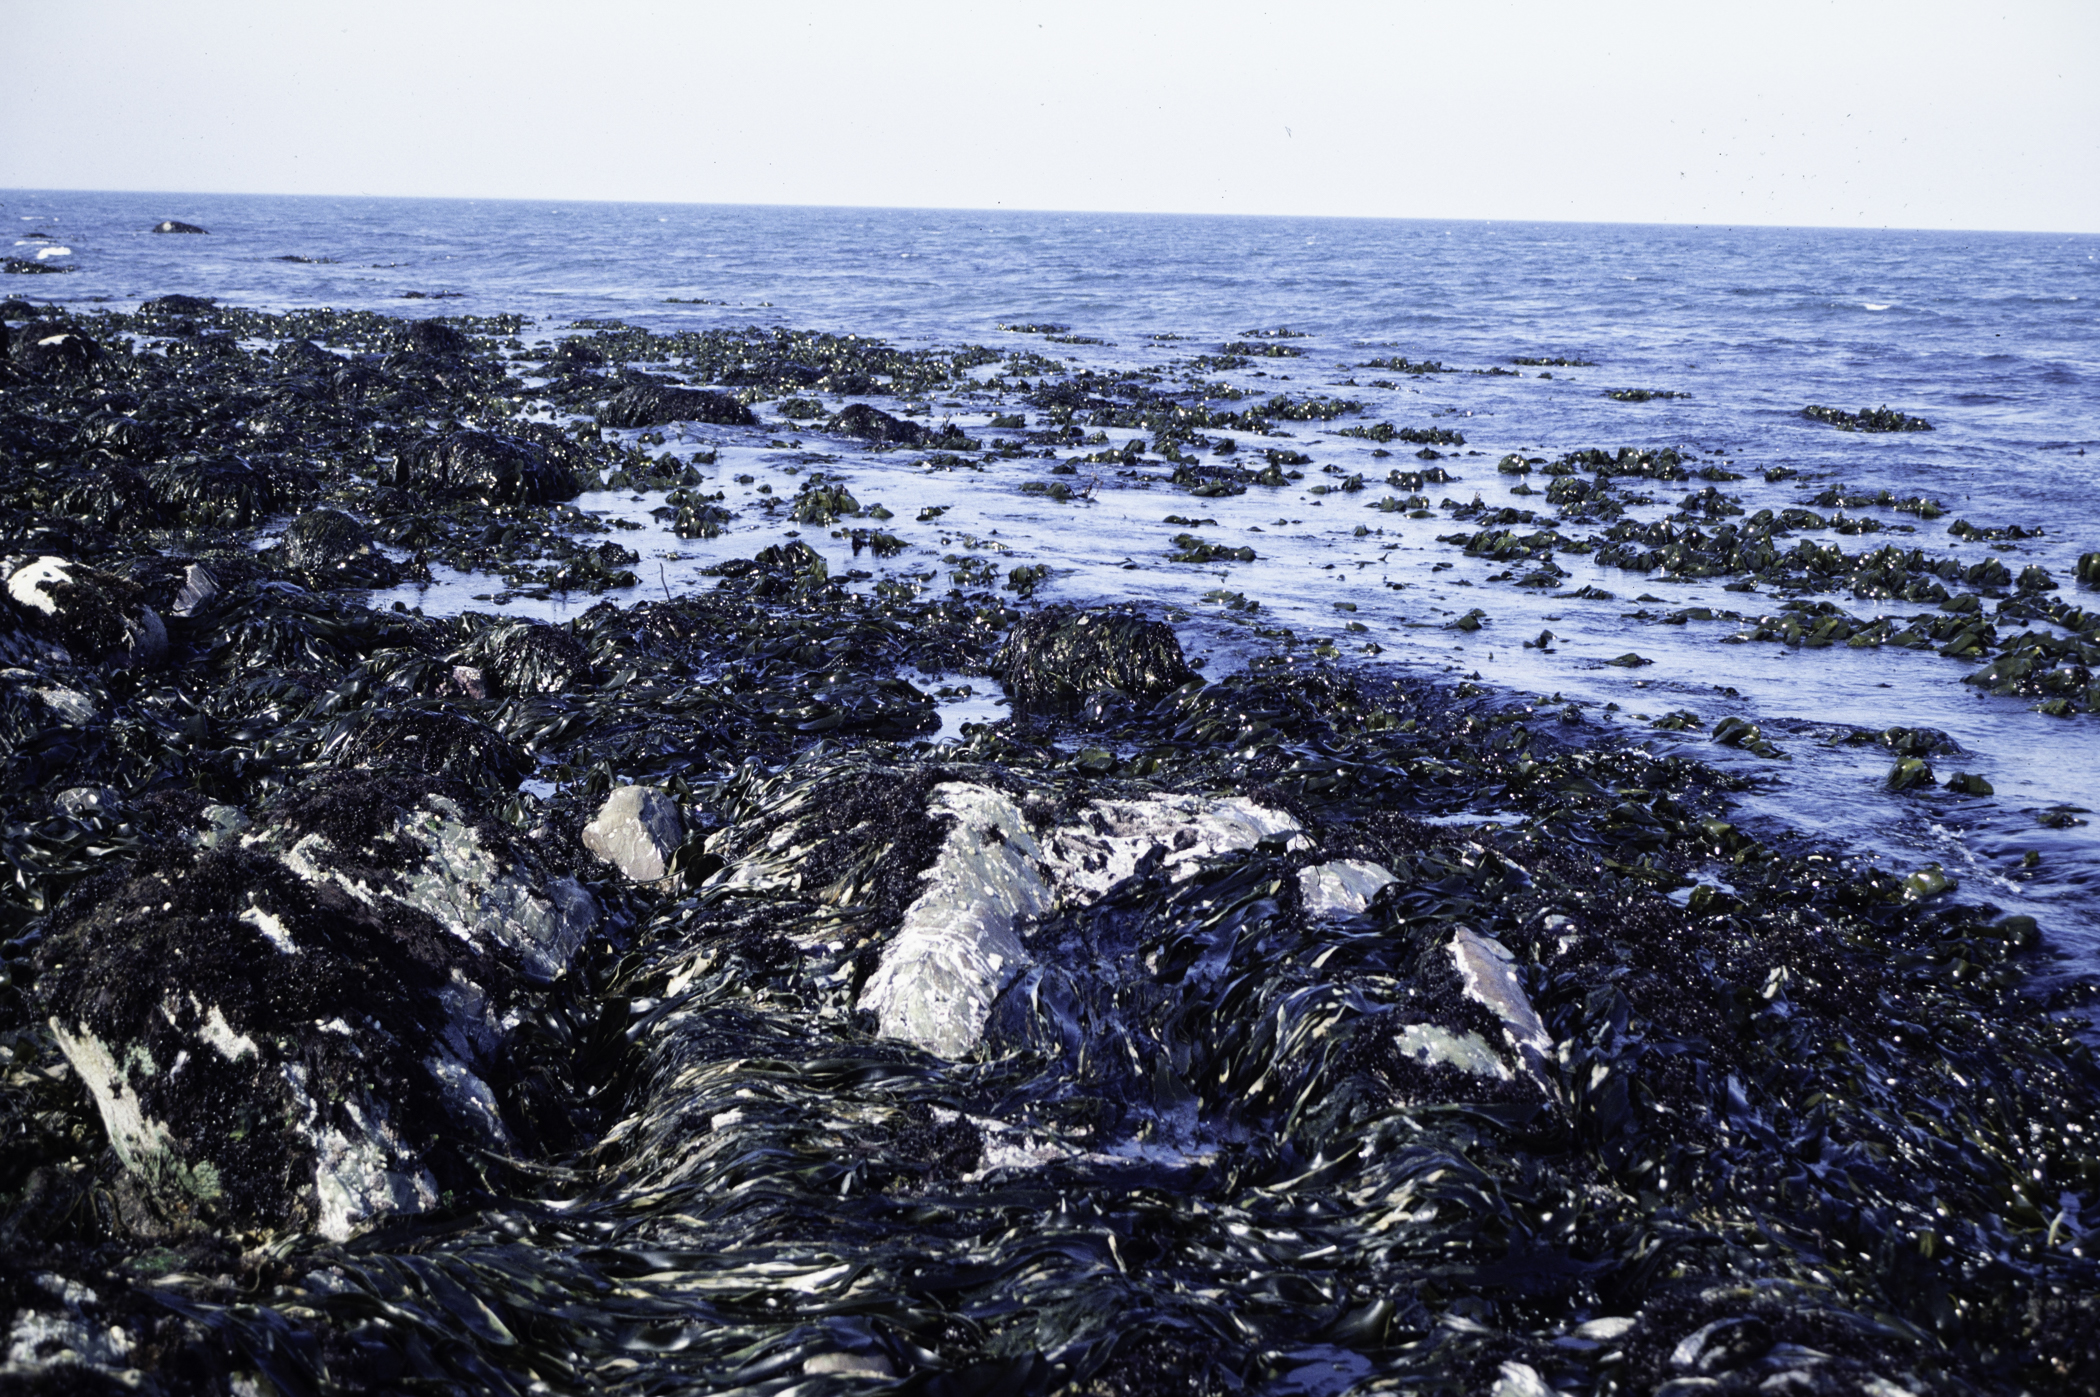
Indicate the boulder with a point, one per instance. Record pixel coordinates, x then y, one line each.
659 404
429 741
1343 888
178 305
436 337
54 350
528 657
874 425
1059 656
328 548
176 225
301 1028
498 469
636 830
94 614
959 944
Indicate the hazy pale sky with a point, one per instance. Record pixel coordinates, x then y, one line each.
1917 114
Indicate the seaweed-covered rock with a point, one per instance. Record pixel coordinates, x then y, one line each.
176 225
432 742
57 351
530 657
636 830
659 404
874 425
495 468
1058 656
177 304
94 614
224 492
436 337
300 1030
330 549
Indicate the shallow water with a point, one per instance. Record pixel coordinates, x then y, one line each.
1989 336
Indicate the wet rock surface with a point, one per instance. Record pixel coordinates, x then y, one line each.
1310 1028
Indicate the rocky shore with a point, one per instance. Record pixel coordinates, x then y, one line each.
399 1003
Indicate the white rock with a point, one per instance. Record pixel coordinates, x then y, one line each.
636 830
198 587
1484 966
1468 1052
1343 888
30 585
1110 839
868 1365
959 944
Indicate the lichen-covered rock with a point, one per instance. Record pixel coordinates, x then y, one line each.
301 1028
1059 656
636 830
94 614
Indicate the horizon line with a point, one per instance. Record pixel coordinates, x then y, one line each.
6 191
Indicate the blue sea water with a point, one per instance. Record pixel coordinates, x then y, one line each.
1992 337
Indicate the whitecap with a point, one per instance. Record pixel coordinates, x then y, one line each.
43 252
1870 305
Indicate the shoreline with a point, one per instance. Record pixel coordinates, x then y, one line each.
1550 1120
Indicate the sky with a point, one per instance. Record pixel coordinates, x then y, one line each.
1919 114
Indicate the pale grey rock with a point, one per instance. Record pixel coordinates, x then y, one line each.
860 1365
1343 888
85 802
1490 979
1433 1045
636 830
959 944
198 588
1106 844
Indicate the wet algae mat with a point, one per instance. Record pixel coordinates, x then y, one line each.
1172 1036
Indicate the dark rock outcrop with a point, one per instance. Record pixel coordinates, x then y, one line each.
1058 658
176 225
94 614
658 404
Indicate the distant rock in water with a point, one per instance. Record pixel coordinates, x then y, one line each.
436 337
178 305
176 225
873 424
658 404
1058 658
